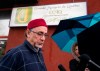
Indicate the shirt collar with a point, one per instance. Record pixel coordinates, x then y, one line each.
31 47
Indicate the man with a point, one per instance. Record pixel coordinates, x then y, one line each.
27 56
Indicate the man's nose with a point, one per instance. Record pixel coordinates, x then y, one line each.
43 37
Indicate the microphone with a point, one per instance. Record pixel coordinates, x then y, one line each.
88 59
61 68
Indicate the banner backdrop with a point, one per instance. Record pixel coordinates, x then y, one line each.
51 13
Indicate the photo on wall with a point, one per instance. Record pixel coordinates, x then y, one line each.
2 47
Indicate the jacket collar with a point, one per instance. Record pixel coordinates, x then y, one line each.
34 49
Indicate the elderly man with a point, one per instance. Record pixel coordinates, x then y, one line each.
28 56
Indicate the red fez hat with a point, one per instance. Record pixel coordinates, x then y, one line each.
36 23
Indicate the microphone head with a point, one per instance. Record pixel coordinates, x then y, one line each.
84 57
61 68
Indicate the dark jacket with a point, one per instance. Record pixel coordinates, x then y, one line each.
23 58
78 66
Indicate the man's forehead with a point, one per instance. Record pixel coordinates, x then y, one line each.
40 28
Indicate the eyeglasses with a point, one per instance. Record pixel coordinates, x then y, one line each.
41 34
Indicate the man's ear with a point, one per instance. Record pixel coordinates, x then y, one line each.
27 32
